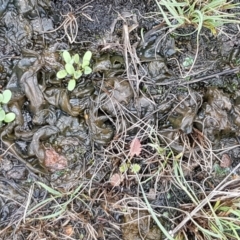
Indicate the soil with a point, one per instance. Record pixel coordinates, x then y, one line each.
61 158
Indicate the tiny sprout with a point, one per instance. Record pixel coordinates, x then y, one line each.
135 168
4 99
124 167
75 67
188 61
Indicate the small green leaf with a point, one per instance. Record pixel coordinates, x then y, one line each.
9 117
87 56
77 74
85 64
61 74
71 84
135 168
87 70
2 115
72 61
67 57
76 58
1 97
69 68
7 94
124 167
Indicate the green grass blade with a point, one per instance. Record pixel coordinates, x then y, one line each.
199 17
207 232
164 15
49 189
178 173
164 231
39 205
54 215
77 190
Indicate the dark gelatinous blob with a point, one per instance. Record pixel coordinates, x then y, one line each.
185 109
36 148
3 6
59 98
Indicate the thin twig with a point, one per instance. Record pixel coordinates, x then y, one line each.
179 81
219 187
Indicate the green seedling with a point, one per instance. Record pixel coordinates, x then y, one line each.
4 99
135 168
124 167
219 171
75 67
188 61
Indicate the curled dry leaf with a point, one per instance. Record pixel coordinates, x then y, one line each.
116 179
135 147
225 161
54 161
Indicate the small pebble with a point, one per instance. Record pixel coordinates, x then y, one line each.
225 161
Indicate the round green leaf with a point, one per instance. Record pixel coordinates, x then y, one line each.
77 74
1 97
69 68
87 56
67 57
135 168
9 117
76 58
7 94
2 115
87 70
61 74
124 167
71 84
